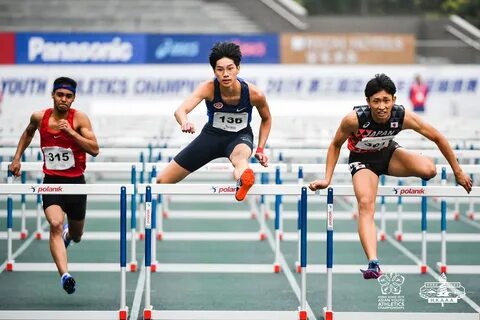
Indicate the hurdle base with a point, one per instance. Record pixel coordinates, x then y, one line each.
123 314
38 235
253 215
160 236
471 215
398 236
153 266
165 214
277 268
266 214
302 314
423 269
456 215
133 266
383 237
23 234
262 236
9 266
354 215
147 313
298 267
441 267
327 314
141 236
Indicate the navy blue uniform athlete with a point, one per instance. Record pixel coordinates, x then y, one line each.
230 101
370 131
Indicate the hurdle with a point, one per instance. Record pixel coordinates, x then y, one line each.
407 191
98 189
399 235
214 189
393 191
93 167
289 153
213 168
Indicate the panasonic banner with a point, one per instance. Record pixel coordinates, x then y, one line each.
61 48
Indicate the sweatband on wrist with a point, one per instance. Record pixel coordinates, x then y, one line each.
259 150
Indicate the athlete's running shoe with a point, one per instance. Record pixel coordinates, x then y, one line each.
64 235
68 283
373 271
246 181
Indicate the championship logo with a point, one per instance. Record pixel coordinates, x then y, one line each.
391 287
442 291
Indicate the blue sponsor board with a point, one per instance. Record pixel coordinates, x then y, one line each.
177 48
79 48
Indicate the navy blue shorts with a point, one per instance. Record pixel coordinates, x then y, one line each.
375 161
212 143
74 205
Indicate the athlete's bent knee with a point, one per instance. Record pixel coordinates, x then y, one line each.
75 237
430 172
56 226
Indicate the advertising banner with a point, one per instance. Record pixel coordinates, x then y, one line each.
290 89
7 48
79 48
348 48
195 48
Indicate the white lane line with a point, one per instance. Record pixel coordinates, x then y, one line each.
22 248
286 271
137 300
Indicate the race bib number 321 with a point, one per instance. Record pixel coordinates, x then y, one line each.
58 158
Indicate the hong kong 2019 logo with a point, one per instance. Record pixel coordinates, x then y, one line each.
391 287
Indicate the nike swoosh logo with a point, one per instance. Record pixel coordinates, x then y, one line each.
241 109
56 137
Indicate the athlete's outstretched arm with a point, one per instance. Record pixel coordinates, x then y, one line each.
203 91
25 140
348 125
259 100
414 122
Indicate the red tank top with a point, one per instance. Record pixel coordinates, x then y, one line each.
62 156
418 94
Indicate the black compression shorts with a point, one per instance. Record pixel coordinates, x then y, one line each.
212 143
75 206
375 161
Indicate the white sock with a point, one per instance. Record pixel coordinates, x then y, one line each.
66 274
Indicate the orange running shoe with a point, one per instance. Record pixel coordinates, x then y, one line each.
246 181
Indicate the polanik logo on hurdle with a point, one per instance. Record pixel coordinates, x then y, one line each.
223 189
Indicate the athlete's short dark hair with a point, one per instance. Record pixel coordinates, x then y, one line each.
379 83
225 49
65 82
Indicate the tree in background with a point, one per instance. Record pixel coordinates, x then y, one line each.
468 9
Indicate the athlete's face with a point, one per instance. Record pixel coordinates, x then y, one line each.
226 72
62 100
381 104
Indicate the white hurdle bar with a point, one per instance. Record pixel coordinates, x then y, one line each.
344 169
92 189
103 167
291 153
215 189
226 168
